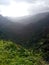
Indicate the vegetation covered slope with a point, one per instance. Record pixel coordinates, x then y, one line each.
31 45
12 54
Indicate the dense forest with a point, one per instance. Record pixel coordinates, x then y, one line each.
25 44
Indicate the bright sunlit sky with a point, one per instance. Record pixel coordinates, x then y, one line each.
18 8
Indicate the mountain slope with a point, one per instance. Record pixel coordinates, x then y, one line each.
34 37
34 29
37 28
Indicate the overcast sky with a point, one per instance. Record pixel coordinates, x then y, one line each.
16 8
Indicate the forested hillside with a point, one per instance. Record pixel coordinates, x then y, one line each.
25 44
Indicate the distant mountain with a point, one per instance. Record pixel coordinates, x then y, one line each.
7 24
37 27
9 29
31 27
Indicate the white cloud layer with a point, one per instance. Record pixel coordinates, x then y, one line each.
18 8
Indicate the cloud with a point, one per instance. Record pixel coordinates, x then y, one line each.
4 2
15 9
39 6
29 1
30 7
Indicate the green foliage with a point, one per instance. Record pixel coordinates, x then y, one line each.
45 50
14 54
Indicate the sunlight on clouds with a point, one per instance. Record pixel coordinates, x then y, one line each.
15 9
22 8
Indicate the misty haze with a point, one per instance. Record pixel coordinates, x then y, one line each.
24 32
